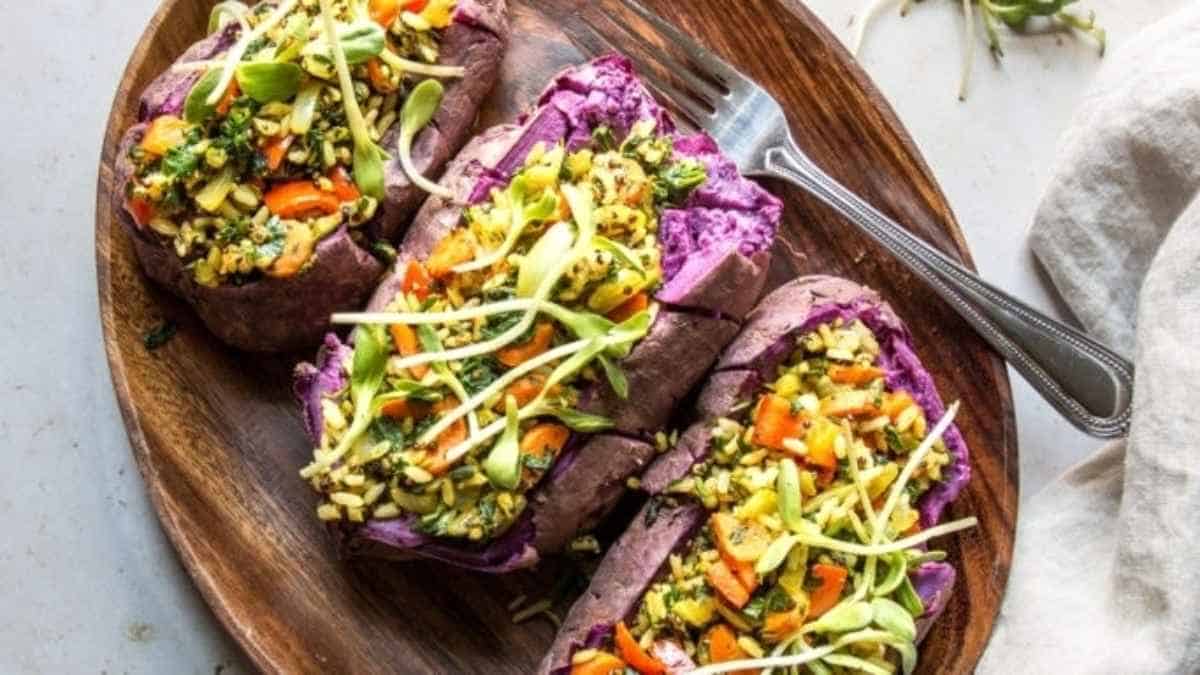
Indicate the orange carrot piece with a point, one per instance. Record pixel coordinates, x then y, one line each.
343 187
723 646
775 421
226 102
141 210
300 199
407 344
634 655
515 355
400 408
527 388
379 79
384 12
630 307
602 663
165 132
822 598
727 585
854 374
416 280
454 249
743 572
452 436
543 438
276 149
779 625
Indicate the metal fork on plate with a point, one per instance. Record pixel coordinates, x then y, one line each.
1088 383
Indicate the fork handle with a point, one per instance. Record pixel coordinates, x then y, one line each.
1088 383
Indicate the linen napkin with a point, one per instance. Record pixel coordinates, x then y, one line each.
1106 575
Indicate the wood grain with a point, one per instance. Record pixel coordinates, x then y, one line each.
218 439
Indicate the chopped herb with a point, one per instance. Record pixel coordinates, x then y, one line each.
603 137
180 162
478 372
536 463
159 335
674 182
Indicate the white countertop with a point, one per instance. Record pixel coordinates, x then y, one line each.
88 582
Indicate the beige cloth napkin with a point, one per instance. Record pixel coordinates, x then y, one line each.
1106 576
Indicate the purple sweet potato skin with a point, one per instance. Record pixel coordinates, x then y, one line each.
271 315
750 360
621 579
697 316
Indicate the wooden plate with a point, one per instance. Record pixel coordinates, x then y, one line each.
218 438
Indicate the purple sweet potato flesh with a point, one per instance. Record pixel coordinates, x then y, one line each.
268 314
765 341
622 577
590 474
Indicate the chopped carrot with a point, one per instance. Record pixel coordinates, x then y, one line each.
343 187
276 149
141 210
563 213
855 374
515 355
820 442
602 663
630 307
743 572
895 403
384 12
849 404
774 421
741 540
165 132
454 249
527 388
416 280
405 339
915 529
300 199
723 646
226 102
415 5
400 408
721 578
544 437
779 625
822 598
634 655
456 433
379 79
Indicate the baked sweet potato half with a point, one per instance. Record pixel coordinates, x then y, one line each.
265 181
790 521
515 366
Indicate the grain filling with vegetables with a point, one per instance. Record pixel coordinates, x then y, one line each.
464 391
277 144
811 489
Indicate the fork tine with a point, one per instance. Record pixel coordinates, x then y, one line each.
657 55
592 39
712 65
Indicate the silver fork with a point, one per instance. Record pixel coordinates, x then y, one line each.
1086 382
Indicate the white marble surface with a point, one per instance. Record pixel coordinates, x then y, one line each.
88 583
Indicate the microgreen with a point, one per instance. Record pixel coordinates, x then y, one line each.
524 213
266 82
503 463
419 108
360 41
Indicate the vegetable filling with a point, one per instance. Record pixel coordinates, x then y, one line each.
276 146
813 529
465 390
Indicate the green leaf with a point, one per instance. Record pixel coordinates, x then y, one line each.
503 463
621 252
195 108
407 390
297 37
775 554
543 258
361 41
894 619
304 108
223 13
787 487
369 366
843 618
855 664
266 82
420 106
897 570
907 596
368 169
627 333
616 377
580 421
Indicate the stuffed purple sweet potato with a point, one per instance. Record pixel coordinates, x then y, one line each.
273 166
789 522
509 375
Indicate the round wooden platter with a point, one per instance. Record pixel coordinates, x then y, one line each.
219 441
